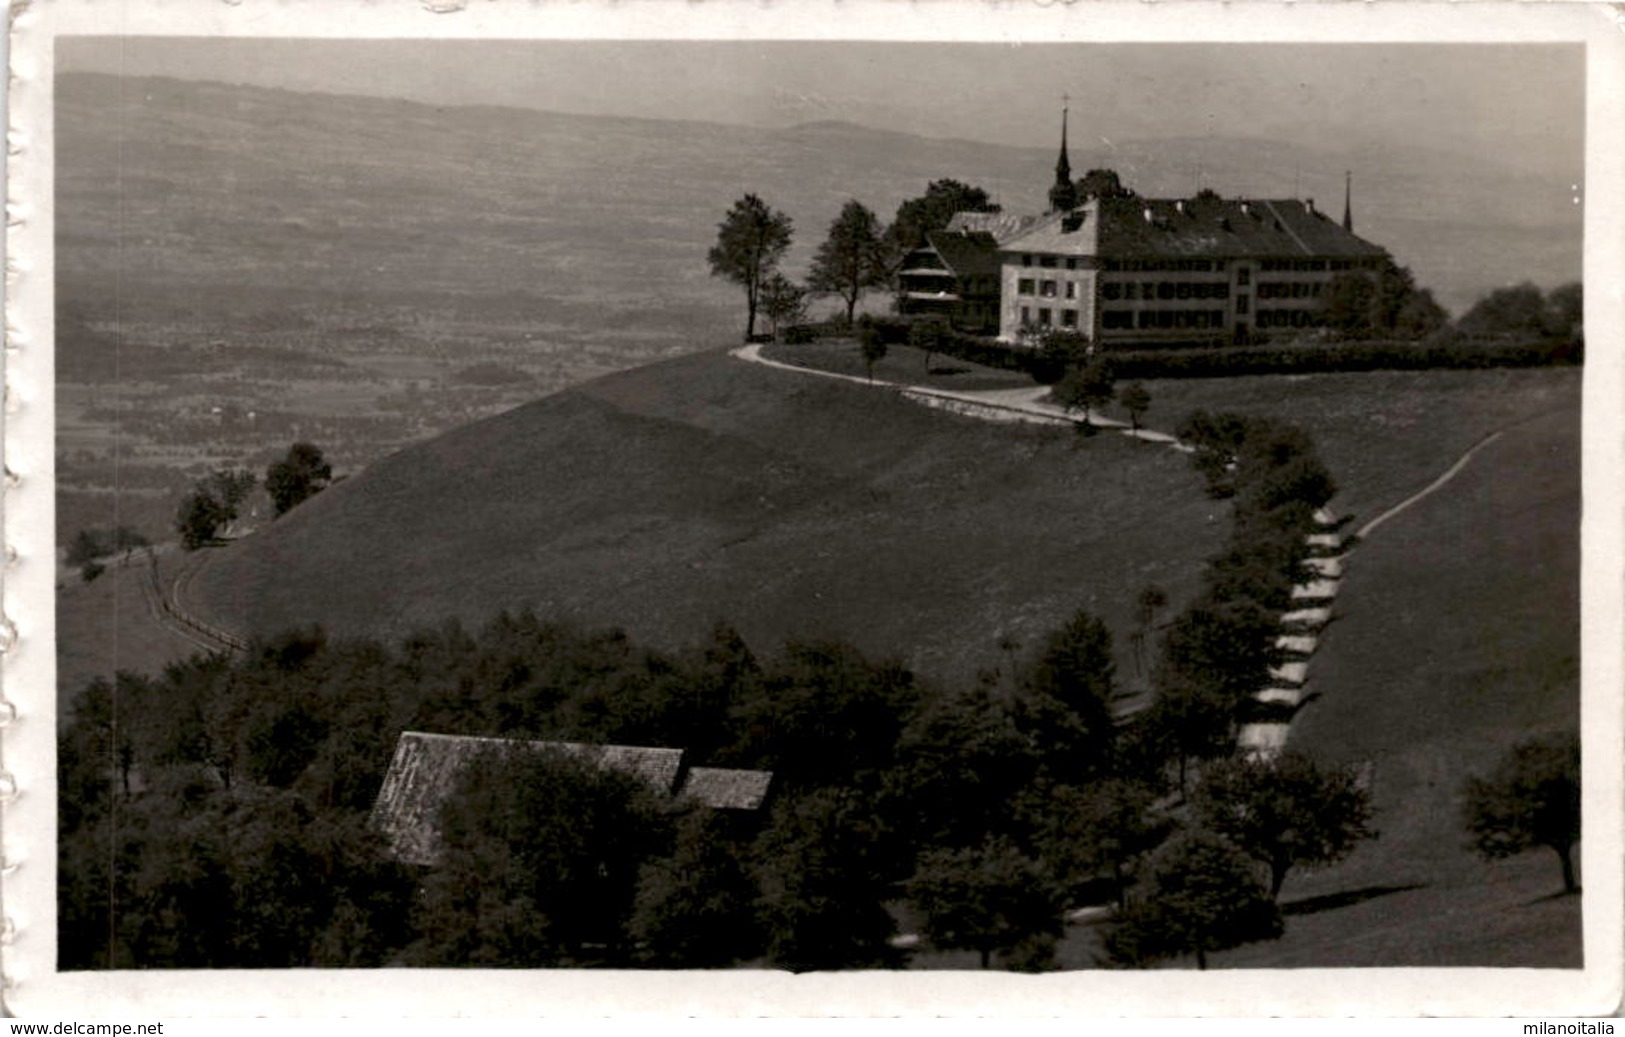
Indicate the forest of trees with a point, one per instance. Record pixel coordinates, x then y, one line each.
218 814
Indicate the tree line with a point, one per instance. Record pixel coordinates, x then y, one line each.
856 255
215 501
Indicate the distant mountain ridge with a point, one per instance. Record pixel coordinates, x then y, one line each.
578 202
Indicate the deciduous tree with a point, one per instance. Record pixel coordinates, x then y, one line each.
1066 709
987 898
541 858
1516 310
931 211
300 475
1284 812
751 241
1136 399
1086 386
872 346
926 335
823 897
1202 897
211 506
1101 183
1530 799
695 907
783 302
851 258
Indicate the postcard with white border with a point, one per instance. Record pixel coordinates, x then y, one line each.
859 509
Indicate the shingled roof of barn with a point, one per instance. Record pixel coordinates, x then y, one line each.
426 767
727 789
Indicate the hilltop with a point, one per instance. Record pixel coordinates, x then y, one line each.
700 489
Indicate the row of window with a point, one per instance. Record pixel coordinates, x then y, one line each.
1285 318
1187 265
1049 261
1113 290
1299 266
1288 290
1128 320
1046 317
1047 289
919 281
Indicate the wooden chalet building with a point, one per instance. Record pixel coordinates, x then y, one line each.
953 274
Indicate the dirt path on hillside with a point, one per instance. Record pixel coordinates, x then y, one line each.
1432 487
1023 404
165 608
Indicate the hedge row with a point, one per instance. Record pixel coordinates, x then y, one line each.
1209 361
1340 356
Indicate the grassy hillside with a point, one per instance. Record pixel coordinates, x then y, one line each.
1457 636
700 489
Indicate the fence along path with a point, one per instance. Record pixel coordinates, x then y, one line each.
166 608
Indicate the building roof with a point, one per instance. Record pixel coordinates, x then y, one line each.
426 767
727 789
967 254
1191 228
1001 225
1058 233
1218 227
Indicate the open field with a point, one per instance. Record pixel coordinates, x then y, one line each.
1457 635
901 364
664 499
1383 434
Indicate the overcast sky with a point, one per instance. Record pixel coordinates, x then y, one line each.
1519 103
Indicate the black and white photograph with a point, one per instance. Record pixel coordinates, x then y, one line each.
885 498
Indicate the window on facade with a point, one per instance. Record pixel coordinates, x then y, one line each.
1026 315
1069 318
1147 318
1048 261
1072 289
1024 286
1044 317
1026 260
1244 275
1047 289
1117 320
1071 264
1241 304
1109 290
1165 290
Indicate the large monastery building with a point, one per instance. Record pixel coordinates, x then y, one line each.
1134 271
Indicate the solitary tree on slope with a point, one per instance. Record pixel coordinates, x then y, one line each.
300 475
751 241
851 258
1284 812
1532 798
1136 399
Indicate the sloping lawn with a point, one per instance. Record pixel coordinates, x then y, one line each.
901 364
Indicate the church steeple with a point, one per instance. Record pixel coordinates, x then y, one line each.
1348 195
1063 195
